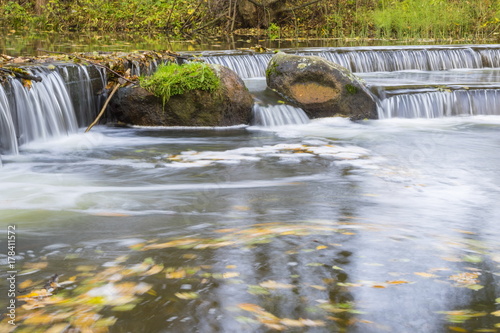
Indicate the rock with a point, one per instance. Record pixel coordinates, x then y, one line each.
320 87
231 104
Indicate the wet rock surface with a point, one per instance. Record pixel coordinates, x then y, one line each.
320 87
230 104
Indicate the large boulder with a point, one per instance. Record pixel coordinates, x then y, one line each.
230 104
320 87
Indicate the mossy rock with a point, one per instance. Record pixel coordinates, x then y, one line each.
320 87
223 102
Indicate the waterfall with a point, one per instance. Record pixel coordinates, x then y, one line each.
8 140
405 59
63 101
436 104
245 65
82 83
278 115
372 59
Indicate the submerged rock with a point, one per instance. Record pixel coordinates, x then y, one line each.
230 104
320 87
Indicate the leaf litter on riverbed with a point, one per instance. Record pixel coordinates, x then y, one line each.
76 303
111 289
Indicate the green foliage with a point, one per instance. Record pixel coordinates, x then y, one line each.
14 14
173 79
401 19
273 31
425 18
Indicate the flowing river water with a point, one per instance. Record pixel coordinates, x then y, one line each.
289 224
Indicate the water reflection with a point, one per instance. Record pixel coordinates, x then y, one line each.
19 43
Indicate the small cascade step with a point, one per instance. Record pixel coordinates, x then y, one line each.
436 94
278 115
372 59
444 103
63 101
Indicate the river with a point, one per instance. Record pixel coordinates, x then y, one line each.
326 225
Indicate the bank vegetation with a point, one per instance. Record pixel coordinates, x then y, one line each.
391 19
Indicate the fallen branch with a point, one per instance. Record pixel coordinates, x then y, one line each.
92 62
117 85
22 75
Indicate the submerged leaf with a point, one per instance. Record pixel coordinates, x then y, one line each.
270 284
187 295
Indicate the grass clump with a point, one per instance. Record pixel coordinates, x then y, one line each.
173 79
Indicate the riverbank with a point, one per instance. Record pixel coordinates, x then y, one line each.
272 19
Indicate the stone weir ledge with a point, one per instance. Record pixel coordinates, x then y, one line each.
117 77
184 97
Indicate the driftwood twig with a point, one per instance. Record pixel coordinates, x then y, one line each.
117 85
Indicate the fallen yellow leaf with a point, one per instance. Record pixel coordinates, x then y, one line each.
398 282
36 265
275 285
426 275
187 295
250 307
176 274
153 270
229 275
292 322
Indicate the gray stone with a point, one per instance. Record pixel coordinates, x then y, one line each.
320 87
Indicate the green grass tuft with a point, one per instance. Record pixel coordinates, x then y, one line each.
173 79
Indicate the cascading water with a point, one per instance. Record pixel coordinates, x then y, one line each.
56 106
467 82
44 110
8 140
245 65
67 96
437 104
373 59
82 83
278 115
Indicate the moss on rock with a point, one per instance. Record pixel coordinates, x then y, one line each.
173 79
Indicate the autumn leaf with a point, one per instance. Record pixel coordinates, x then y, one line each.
270 284
179 274
229 275
466 278
426 275
153 270
187 295
398 282
292 322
